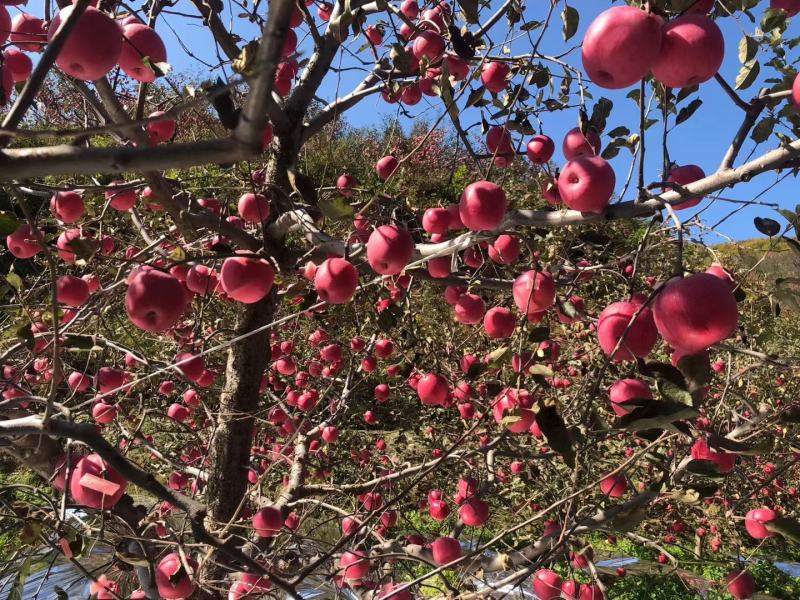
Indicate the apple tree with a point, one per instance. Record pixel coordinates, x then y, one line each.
258 335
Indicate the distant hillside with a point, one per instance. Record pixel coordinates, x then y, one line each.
772 259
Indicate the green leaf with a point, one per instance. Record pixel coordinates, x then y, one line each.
540 370
570 17
769 227
747 49
717 442
619 131
773 19
530 26
673 392
793 244
14 281
497 356
704 468
687 111
787 528
400 58
790 216
696 370
657 415
336 208
600 113
9 222
747 75
763 130
475 96
787 290
556 433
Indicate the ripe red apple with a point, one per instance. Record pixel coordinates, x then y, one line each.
683 176
614 486
457 67
67 207
754 523
411 94
429 45
355 564
154 300
577 144
92 48
691 52
141 41
483 206
740 584
246 279
172 580
695 313
499 322
625 390
498 141
5 25
724 460
386 167
345 184
18 64
640 338
474 512
546 584
120 200
389 249
436 220
570 589
28 33
591 591
494 75
410 9
253 208
103 413
202 280
178 412
540 149
505 250
336 281
72 291
96 484
586 184
469 309
160 131
22 243
433 389
440 268
79 382
330 434
445 550
268 522
512 409
534 292
374 35
620 46
792 7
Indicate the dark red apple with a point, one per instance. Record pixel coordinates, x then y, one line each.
691 52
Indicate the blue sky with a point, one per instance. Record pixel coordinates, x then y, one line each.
702 140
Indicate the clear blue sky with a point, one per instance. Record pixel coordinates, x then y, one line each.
702 140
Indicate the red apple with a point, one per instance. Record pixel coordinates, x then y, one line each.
28 33
18 64
355 564
172 580
683 176
268 522
429 45
499 322
72 291
22 243
614 486
469 309
546 584
120 200
245 279
336 281
505 250
96 484
436 220
754 523
253 208
740 584
345 184
534 292
389 249
494 75
440 268
691 52
160 131
620 46
141 41
628 389
386 167
445 550
792 7
724 460
695 313
540 149
577 144
640 337
92 48
474 513
5 25
433 389
67 207
483 206
154 300
202 280
512 409
586 184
